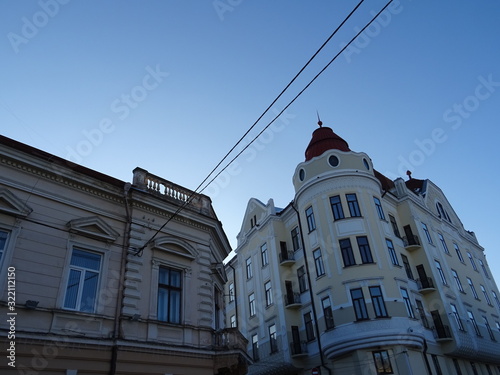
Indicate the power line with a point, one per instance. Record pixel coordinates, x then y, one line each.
199 188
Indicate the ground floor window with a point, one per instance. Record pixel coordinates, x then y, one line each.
382 362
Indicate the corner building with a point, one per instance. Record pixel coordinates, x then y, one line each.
360 275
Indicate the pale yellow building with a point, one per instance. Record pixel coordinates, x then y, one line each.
360 275
93 282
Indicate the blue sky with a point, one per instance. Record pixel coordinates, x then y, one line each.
170 86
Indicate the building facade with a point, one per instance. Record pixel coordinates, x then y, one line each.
94 282
360 275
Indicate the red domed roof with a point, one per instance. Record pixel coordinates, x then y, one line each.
324 139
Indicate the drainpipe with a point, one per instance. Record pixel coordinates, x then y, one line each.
121 284
311 294
424 353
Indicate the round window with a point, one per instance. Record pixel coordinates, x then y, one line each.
302 175
333 160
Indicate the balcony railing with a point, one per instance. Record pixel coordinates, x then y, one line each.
230 338
425 285
411 242
168 190
287 258
298 349
442 332
292 300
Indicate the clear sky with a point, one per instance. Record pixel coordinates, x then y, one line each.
170 86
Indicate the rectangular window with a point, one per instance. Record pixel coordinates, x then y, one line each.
347 254
498 325
471 284
352 203
273 341
263 255
295 238
457 280
485 293
394 225
378 302
318 262
427 234
488 328
443 243
440 272
251 304
233 321
382 362
495 297
269 293
301 276
311 223
457 366
231 292
472 261
392 252
421 313
337 210
435 360
364 249
83 280
474 323
358 302
308 322
407 301
249 268
255 347
3 242
455 314
379 209
169 295
459 253
406 264
484 268
327 312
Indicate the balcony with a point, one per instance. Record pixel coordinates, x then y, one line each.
425 285
292 300
229 338
442 333
411 243
287 258
298 349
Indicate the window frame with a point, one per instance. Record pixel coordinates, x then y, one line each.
359 304
273 338
443 243
456 315
379 208
311 221
231 292
392 252
472 288
251 305
394 224
471 258
309 326
364 250
485 293
459 253
382 362
407 302
248 266
457 280
295 233
337 209
82 272
439 268
378 302
3 249
407 266
347 252
326 304
353 205
481 263
264 254
269 293
427 233
472 319
255 347
318 262
302 279
170 288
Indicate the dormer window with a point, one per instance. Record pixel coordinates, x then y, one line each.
442 213
253 221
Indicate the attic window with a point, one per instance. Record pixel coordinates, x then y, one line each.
253 221
442 213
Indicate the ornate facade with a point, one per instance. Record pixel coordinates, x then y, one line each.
360 275
101 285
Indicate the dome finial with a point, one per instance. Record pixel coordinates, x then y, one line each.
320 123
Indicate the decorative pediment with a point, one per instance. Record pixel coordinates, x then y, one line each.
175 246
12 205
93 227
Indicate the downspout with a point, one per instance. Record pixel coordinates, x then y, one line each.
121 283
311 294
424 353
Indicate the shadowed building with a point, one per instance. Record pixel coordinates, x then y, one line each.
360 274
101 286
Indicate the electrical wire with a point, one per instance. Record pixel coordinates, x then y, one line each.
199 188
